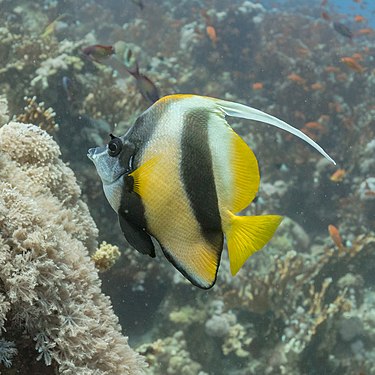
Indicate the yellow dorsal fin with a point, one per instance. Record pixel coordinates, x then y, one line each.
245 172
142 174
246 235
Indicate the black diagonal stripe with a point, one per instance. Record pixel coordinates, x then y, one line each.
198 177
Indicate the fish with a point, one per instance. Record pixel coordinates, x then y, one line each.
66 83
338 175
257 86
366 31
211 32
343 30
326 16
178 178
146 87
294 77
335 236
317 86
139 3
359 18
51 27
98 52
353 64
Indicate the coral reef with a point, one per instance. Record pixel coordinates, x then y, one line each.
52 310
35 113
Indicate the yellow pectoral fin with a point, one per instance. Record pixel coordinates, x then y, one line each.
142 175
246 235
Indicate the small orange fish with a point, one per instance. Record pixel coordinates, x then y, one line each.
314 130
359 18
353 64
357 56
366 31
317 86
257 86
211 32
338 175
331 69
296 78
335 236
315 125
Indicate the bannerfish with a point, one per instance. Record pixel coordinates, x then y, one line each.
178 177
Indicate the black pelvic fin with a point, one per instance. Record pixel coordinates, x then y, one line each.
137 237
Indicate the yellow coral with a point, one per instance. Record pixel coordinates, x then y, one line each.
105 256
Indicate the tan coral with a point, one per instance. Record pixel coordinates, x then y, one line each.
50 290
37 114
105 256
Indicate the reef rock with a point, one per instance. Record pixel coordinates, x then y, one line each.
51 306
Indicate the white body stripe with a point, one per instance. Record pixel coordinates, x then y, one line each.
220 144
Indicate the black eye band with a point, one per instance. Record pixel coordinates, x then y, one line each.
114 146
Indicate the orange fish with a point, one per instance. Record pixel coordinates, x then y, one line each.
314 129
366 31
315 125
359 18
331 69
211 32
353 64
338 175
257 86
335 236
317 86
296 78
357 56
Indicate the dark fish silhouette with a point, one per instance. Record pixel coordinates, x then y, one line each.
343 30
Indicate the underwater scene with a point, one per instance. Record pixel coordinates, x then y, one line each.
187 187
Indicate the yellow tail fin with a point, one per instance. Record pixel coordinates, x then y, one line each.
246 235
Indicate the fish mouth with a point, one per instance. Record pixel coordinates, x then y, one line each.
92 153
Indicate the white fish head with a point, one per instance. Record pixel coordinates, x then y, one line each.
111 165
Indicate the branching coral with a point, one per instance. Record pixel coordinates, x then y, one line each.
36 113
105 256
49 289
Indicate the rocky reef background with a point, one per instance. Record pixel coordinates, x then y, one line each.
304 304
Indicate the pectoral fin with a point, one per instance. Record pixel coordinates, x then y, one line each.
137 237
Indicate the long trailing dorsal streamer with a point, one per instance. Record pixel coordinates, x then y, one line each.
243 111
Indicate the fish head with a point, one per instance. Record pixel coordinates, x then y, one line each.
112 162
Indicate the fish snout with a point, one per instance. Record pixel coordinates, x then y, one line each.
94 153
91 153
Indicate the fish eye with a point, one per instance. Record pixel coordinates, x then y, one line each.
114 146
